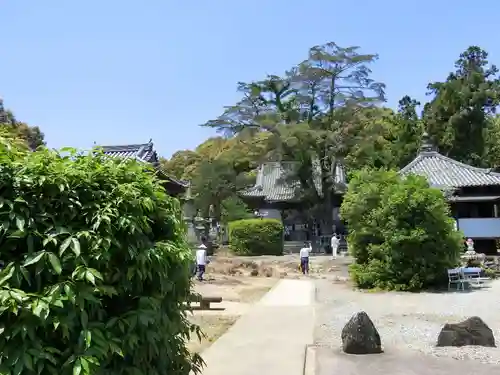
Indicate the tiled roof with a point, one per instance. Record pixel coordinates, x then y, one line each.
272 183
444 172
143 152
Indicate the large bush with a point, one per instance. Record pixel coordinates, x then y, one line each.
96 268
256 237
401 234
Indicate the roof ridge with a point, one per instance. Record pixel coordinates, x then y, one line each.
134 146
466 166
415 161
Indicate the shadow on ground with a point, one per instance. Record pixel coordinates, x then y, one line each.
330 362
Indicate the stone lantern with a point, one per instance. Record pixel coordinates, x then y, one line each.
189 213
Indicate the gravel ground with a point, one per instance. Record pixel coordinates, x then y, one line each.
408 321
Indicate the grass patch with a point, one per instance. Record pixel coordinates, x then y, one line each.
213 327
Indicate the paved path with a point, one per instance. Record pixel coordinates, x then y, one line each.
270 338
333 362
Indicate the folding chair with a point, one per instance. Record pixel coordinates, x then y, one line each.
472 275
456 277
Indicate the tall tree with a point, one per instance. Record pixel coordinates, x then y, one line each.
407 129
458 116
213 183
31 135
309 111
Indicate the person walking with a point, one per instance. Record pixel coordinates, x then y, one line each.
334 243
304 258
201 259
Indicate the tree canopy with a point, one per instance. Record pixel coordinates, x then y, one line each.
32 136
328 109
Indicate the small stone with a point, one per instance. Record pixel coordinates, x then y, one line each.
472 331
359 335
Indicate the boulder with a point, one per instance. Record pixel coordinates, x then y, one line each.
359 335
472 331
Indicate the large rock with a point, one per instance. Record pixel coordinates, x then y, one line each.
472 331
359 335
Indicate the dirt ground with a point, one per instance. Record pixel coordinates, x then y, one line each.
242 281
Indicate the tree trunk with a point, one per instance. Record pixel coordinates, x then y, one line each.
327 219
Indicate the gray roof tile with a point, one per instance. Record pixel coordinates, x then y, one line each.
143 152
272 183
444 172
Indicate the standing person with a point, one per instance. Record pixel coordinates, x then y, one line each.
304 257
201 258
334 243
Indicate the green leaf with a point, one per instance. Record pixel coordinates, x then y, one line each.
18 369
64 245
90 278
85 365
7 273
77 367
88 339
35 258
20 221
28 361
75 246
84 319
55 263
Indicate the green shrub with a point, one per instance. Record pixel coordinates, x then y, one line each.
401 234
256 237
96 268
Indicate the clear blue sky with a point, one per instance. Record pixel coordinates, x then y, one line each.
118 72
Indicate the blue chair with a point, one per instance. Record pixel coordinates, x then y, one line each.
455 276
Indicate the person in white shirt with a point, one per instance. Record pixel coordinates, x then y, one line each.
201 259
304 257
334 243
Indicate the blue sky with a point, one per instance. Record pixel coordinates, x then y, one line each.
117 72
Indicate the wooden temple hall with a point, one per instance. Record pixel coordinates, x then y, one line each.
276 196
474 198
473 194
146 153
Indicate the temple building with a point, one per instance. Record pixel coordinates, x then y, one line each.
276 196
146 153
473 194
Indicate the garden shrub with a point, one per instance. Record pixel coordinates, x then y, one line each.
96 268
256 237
401 234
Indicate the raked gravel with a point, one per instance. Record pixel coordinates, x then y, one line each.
408 321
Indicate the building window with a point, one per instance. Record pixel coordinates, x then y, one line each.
475 210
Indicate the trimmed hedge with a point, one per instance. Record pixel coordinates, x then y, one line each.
256 237
96 268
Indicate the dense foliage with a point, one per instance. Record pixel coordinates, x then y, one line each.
96 268
401 234
327 109
256 237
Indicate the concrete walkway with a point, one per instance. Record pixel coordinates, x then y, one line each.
270 338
